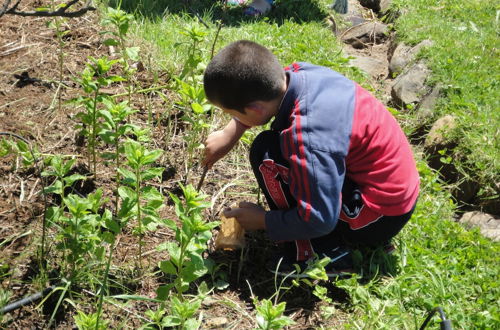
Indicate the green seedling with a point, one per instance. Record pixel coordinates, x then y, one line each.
93 78
271 316
84 321
147 200
79 232
120 21
182 314
186 262
28 155
113 129
196 112
59 169
194 52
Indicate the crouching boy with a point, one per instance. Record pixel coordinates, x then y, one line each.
336 168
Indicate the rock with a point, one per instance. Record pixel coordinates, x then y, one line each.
437 140
438 135
429 101
216 323
362 35
375 68
409 88
403 54
488 224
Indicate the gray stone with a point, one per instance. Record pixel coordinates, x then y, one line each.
375 68
429 101
403 55
409 88
438 135
362 35
488 224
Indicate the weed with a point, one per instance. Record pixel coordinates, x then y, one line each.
84 321
93 78
120 20
113 129
186 262
270 316
147 200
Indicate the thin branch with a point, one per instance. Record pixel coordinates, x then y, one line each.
61 12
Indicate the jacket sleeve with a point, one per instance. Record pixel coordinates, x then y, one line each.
315 180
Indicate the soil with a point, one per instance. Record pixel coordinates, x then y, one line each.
29 107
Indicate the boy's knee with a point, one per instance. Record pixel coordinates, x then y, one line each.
262 143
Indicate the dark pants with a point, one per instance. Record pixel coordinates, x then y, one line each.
271 171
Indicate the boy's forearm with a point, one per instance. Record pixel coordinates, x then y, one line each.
234 129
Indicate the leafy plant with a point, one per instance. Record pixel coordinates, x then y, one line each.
120 20
84 321
270 316
186 262
196 112
93 78
113 129
147 200
29 155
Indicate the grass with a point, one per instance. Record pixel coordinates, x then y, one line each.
441 263
464 59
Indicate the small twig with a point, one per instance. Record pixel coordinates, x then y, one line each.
200 183
33 189
61 12
219 27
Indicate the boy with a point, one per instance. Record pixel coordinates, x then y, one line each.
336 168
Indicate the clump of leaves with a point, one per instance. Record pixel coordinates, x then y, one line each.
120 21
146 200
94 77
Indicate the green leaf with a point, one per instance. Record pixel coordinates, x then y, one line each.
171 321
152 173
128 176
111 42
132 53
163 291
69 180
151 156
112 225
168 267
55 188
197 108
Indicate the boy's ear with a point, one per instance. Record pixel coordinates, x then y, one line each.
255 107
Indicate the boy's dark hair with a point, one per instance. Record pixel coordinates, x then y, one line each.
243 72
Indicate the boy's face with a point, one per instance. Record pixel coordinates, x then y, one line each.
259 113
251 117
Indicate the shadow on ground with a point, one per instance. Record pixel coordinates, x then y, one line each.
297 10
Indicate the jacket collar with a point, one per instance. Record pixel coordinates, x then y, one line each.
282 120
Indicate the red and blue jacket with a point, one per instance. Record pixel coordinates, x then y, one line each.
330 128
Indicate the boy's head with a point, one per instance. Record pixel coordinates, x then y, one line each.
241 73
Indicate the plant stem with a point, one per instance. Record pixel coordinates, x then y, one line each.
139 222
104 283
94 132
117 162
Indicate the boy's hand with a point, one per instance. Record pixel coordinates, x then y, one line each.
219 143
250 216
